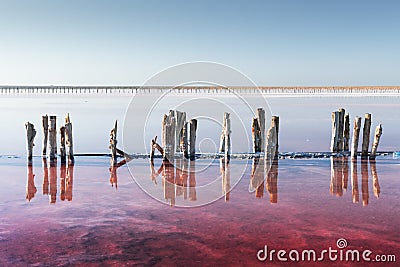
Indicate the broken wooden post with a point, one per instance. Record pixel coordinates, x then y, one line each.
378 133
68 139
184 141
192 138
335 132
256 133
63 154
180 122
45 125
356 136
113 144
275 121
168 134
366 135
261 124
346 132
53 138
272 140
225 132
30 135
154 146
341 130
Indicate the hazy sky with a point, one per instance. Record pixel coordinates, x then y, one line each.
273 42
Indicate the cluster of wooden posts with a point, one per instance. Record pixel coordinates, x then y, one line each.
49 125
341 135
178 135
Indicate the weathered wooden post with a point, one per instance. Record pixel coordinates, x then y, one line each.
378 133
184 141
272 139
356 136
30 135
366 135
63 154
68 139
275 121
168 132
335 132
53 139
154 145
341 130
226 127
180 122
192 138
113 144
45 125
256 133
346 132
261 123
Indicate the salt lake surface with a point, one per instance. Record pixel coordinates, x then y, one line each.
90 214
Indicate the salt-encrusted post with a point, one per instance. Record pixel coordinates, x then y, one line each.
30 135
53 138
378 133
256 133
272 139
45 125
168 134
356 136
346 132
180 122
184 141
341 130
113 144
335 132
222 144
261 123
63 154
68 139
275 121
366 135
192 138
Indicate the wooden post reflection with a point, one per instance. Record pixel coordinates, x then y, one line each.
336 176
375 181
354 181
168 175
45 186
63 172
181 177
30 183
345 172
272 181
69 181
226 177
258 176
364 182
192 181
53 182
113 176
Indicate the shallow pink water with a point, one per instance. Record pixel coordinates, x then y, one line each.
102 225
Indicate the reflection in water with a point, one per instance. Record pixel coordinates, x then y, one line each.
113 171
339 177
181 180
192 181
50 181
30 184
364 182
168 181
257 181
354 181
226 177
272 181
258 176
53 182
45 186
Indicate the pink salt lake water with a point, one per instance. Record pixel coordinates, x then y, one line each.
308 203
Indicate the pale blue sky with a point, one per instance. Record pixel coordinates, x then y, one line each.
273 42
